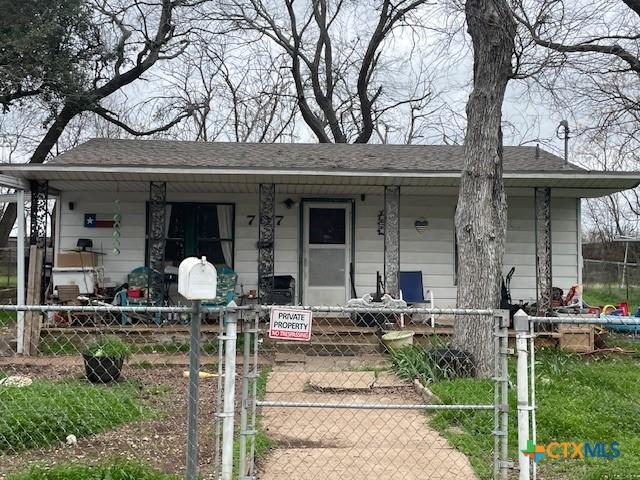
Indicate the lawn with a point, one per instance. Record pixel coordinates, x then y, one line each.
612 295
64 345
44 413
114 470
7 318
8 276
262 441
578 400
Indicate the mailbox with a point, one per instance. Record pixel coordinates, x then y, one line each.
197 279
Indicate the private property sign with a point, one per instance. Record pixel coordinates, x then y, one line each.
290 324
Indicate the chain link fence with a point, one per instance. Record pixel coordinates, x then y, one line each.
374 393
577 407
105 383
611 281
8 274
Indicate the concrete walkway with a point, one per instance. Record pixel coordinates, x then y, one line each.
354 444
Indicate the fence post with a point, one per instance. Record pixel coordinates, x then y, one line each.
194 378
501 396
504 392
20 287
521 323
247 374
254 392
231 319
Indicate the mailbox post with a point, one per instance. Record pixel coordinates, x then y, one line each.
197 280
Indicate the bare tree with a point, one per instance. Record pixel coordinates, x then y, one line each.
481 214
133 36
234 96
615 215
586 61
335 69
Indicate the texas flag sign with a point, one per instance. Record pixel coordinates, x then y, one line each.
98 220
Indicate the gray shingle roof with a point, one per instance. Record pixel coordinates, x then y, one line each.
295 156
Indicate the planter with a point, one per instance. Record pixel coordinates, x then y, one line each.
102 369
396 340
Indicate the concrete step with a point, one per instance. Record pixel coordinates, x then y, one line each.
344 349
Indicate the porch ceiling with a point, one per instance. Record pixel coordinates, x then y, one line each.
96 178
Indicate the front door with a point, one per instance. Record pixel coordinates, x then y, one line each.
326 255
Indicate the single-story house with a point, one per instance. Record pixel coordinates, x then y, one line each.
329 215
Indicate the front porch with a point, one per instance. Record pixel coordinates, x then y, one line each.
325 218
267 230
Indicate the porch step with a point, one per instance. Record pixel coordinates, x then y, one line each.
322 349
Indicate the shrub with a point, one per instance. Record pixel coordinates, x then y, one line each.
111 347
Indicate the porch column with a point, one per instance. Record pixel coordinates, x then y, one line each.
392 240
266 237
157 226
38 214
544 279
38 230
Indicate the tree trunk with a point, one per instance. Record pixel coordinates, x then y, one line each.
6 224
481 215
39 156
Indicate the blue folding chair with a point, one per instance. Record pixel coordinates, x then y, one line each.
412 291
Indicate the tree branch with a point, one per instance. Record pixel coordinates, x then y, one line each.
104 113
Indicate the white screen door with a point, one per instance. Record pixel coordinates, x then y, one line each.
326 256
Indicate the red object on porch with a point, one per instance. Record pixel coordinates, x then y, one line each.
134 293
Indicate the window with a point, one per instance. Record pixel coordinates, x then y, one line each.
327 226
199 229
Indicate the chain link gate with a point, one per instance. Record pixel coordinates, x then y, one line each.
350 404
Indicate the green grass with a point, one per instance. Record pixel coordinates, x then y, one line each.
118 469
54 346
468 431
109 347
44 413
8 318
579 399
8 277
589 400
57 346
263 442
612 295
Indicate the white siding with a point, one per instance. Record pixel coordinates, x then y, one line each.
432 251
132 240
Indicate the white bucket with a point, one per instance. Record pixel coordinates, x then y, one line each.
398 339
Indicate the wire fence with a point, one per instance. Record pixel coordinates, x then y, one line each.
8 274
374 392
606 280
577 406
104 383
